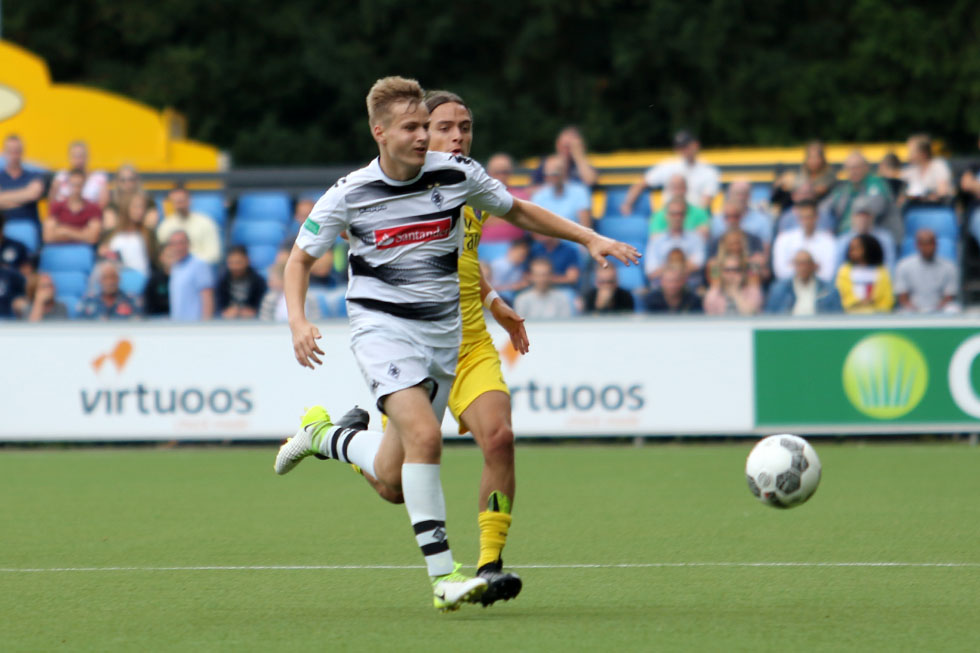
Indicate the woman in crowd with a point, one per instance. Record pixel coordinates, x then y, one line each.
733 290
736 243
126 186
863 281
131 242
927 177
814 173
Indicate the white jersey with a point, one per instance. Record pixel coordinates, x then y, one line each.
405 238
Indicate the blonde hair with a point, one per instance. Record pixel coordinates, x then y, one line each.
388 91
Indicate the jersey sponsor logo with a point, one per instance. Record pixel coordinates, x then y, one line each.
409 234
311 226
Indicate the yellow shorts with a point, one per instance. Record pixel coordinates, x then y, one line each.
477 371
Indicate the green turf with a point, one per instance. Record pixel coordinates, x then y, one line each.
576 504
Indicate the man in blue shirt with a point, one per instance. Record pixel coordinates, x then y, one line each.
564 259
191 283
109 303
569 199
20 189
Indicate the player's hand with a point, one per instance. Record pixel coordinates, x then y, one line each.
512 323
600 247
305 335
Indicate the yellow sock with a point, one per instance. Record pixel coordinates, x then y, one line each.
493 535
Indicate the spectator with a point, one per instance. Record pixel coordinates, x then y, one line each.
819 243
75 220
205 241
860 184
863 282
703 180
696 218
569 199
127 186
660 245
570 148
14 254
240 289
927 177
20 189
542 300
890 169
673 295
815 172
563 257
744 245
156 294
924 282
131 243
970 185
95 184
804 294
607 296
495 229
191 285
733 292
328 271
788 219
300 212
12 288
108 302
41 304
510 272
733 217
863 223
752 220
273 306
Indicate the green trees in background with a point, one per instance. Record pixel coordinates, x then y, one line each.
283 82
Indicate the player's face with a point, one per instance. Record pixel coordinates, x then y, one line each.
404 140
450 129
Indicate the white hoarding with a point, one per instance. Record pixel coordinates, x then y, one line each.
138 381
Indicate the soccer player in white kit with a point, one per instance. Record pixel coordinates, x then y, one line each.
402 213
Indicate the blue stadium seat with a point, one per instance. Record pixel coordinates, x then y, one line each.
332 302
492 251
945 247
615 197
262 256
71 303
760 193
264 206
629 229
632 277
69 282
23 231
60 258
257 232
211 204
941 219
132 282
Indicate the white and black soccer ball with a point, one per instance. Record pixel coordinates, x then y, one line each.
783 470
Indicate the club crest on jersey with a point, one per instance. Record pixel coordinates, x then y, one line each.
408 234
436 198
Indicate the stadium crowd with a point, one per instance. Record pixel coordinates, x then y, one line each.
878 238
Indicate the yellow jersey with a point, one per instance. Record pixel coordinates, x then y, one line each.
470 304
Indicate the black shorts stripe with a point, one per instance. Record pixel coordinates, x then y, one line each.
435 547
429 311
379 190
427 525
401 275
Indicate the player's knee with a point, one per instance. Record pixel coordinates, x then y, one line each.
424 443
499 445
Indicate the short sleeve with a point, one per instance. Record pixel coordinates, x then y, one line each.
656 176
327 219
204 277
952 285
485 192
712 181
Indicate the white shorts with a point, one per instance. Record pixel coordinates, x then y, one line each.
391 359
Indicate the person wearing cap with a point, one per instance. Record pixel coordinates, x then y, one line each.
703 179
862 222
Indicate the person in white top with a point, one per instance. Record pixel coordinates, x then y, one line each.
820 244
96 188
927 177
542 301
703 179
402 213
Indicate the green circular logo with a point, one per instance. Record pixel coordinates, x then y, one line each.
885 376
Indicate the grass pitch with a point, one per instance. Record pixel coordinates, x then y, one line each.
165 549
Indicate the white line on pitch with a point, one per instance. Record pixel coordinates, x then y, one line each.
624 565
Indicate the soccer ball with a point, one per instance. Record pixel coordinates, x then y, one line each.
783 471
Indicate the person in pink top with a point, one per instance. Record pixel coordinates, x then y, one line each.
733 292
497 230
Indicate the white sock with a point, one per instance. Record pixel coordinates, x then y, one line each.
350 445
426 507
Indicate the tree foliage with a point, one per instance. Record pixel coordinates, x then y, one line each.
284 82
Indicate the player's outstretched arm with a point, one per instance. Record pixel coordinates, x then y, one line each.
505 316
296 282
532 217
